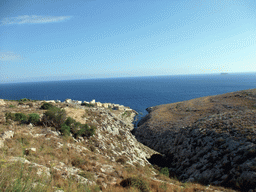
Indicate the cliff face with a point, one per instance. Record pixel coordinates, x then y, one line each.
209 139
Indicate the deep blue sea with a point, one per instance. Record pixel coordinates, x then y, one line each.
135 92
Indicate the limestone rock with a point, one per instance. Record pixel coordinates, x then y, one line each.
1 143
98 104
218 147
50 101
68 101
7 135
2 102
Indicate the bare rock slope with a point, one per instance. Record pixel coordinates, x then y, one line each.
211 140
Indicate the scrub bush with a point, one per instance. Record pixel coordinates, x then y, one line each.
33 118
70 121
78 129
65 130
55 117
46 106
9 115
20 117
24 100
136 182
165 171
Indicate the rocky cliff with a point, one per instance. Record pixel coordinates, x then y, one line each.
47 158
211 140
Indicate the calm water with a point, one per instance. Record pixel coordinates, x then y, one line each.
135 92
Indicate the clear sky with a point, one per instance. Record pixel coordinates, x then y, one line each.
63 39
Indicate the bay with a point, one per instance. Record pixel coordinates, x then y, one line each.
138 93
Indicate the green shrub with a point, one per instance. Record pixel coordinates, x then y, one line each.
70 121
11 106
9 115
165 171
75 127
126 113
65 130
136 182
46 106
33 118
54 117
20 117
24 100
87 130
92 130
87 105
78 129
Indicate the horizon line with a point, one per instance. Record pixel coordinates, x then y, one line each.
25 80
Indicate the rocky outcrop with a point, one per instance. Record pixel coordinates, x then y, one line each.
2 102
5 135
211 140
112 144
105 159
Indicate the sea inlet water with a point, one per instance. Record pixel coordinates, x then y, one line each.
136 92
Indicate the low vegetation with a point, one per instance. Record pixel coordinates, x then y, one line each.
87 105
59 162
136 182
165 171
46 106
77 129
33 118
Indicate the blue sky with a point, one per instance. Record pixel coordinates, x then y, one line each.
61 40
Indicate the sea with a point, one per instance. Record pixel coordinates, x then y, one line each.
138 93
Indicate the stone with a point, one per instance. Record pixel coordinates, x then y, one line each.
98 104
1 143
92 102
29 150
110 105
7 135
50 101
2 102
68 101
115 131
105 105
21 159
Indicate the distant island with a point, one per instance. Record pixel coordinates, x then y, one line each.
224 73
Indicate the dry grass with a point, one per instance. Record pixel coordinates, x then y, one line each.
53 150
76 114
187 112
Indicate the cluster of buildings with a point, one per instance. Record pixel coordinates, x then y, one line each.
94 103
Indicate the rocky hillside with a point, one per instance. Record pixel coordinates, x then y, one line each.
51 146
210 140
